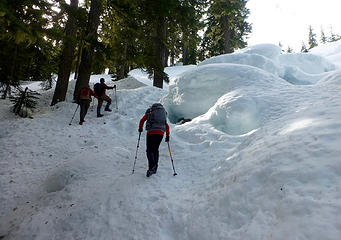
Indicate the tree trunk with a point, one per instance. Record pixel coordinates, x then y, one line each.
79 55
159 74
88 49
184 54
11 76
67 56
172 58
123 67
227 35
165 64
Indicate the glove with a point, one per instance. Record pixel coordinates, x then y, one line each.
140 130
167 139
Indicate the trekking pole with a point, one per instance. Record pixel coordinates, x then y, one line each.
74 114
138 143
116 99
174 174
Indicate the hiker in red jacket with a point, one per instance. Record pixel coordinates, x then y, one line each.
103 97
156 126
84 99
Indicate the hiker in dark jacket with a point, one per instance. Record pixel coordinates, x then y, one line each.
84 99
156 126
103 97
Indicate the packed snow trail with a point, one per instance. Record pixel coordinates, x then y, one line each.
81 186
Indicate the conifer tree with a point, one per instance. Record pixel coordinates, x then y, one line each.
323 38
290 50
312 38
189 18
226 26
304 48
24 101
89 45
333 37
26 41
281 46
67 55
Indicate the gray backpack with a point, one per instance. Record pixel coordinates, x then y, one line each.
157 118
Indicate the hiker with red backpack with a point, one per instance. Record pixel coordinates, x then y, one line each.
83 99
99 89
156 126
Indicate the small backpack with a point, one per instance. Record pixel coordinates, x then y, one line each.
98 89
157 118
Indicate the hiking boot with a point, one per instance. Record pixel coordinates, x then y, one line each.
149 173
80 123
108 110
153 170
100 115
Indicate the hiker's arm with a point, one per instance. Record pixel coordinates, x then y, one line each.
167 130
93 94
143 119
107 87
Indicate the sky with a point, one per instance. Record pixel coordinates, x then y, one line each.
287 21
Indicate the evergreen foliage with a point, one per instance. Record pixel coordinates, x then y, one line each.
333 37
304 48
312 38
290 50
27 41
24 101
226 27
323 38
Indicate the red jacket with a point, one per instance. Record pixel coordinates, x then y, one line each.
86 93
144 118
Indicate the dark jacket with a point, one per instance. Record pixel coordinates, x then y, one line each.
103 88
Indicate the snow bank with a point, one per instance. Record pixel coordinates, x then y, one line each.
298 69
306 62
254 60
172 73
196 91
331 51
270 51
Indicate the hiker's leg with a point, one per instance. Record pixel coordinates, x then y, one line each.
108 100
82 111
157 142
153 143
150 154
86 106
100 102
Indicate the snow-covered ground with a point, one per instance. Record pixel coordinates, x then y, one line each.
259 160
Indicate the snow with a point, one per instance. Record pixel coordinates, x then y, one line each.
259 160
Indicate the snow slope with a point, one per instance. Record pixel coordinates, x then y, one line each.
259 160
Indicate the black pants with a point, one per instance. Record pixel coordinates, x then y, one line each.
153 143
84 104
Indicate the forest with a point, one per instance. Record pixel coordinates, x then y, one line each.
46 40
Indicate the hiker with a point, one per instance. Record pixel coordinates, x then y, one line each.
84 99
156 126
99 89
